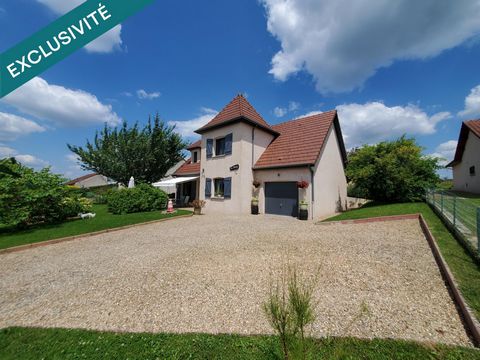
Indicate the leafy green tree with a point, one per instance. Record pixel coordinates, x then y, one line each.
119 153
392 171
29 197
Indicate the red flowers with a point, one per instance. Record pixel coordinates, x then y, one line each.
302 184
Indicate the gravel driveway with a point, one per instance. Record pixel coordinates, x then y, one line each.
211 274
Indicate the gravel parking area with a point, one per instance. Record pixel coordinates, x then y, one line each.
211 274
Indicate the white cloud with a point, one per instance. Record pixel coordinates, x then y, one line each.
282 111
61 105
445 151
311 113
6 152
25 159
472 104
186 128
108 42
373 122
142 94
293 106
342 42
13 126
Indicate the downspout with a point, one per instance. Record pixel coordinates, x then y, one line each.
312 173
253 146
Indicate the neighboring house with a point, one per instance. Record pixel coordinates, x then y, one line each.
238 146
466 164
90 180
168 182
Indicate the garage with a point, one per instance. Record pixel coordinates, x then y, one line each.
281 198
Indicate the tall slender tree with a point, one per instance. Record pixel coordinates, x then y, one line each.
119 153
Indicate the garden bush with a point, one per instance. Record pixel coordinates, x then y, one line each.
29 197
141 198
392 171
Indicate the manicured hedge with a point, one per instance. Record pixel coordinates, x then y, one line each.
141 198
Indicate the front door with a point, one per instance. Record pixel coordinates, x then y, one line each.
281 198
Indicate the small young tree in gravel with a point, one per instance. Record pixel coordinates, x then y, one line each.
289 309
300 299
278 313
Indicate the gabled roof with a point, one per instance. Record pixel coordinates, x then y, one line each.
467 127
81 178
300 141
239 109
196 145
188 168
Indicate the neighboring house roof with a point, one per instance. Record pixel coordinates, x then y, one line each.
301 141
195 145
188 168
467 126
81 178
239 109
173 169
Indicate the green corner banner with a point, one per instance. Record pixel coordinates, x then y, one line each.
61 38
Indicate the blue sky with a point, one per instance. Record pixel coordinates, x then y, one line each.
387 71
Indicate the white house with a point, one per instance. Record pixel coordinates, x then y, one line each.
466 164
90 180
238 147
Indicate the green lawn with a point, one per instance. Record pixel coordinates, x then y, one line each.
29 344
465 270
103 220
473 198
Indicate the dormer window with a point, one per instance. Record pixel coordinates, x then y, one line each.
195 157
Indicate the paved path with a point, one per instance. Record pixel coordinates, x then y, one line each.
212 273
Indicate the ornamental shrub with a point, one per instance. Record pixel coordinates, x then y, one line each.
141 198
29 197
392 171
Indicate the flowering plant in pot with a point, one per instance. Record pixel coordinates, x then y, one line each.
197 206
303 205
254 205
302 184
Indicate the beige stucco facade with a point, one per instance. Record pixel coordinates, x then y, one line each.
248 144
326 194
330 183
462 179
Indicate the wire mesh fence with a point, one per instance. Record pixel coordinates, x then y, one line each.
461 213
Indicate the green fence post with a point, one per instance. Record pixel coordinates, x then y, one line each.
478 229
441 202
454 210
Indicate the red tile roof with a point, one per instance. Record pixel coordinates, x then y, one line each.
300 141
188 168
474 126
81 178
239 109
195 145
467 127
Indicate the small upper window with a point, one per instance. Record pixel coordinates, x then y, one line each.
195 156
220 146
219 187
472 170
